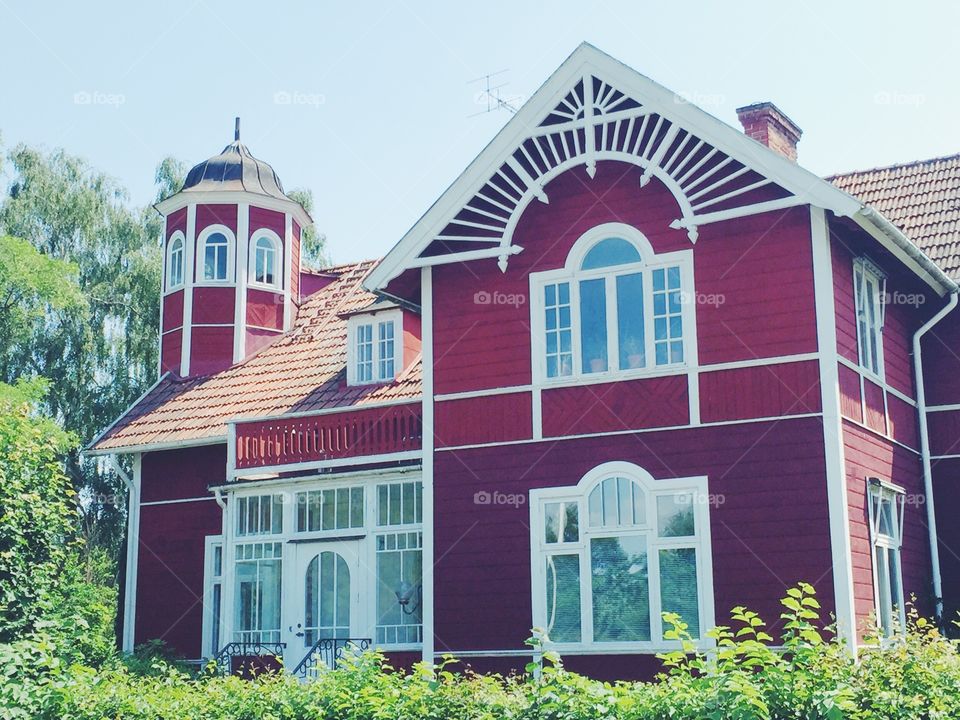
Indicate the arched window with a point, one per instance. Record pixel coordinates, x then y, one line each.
615 307
265 259
215 254
175 261
615 552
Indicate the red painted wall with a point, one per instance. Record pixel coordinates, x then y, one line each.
173 310
170 557
495 418
946 490
264 309
214 305
177 220
767 391
769 525
171 347
211 349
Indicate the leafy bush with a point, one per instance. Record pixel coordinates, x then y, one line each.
808 675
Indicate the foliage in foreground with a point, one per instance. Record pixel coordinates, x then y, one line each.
810 676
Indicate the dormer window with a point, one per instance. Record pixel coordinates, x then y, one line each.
216 254
264 260
616 308
175 261
374 353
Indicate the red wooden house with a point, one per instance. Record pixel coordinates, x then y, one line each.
632 361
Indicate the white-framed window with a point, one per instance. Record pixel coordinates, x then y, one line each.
616 308
257 591
212 595
869 287
259 515
375 347
175 249
399 563
614 552
885 513
330 509
265 259
215 247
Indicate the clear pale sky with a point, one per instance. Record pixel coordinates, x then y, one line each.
378 119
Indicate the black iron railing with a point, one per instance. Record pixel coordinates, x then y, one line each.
328 652
250 657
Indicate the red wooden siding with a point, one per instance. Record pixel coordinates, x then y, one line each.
624 405
941 361
767 391
769 523
214 305
177 220
946 490
846 317
171 348
173 310
376 431
902 418
412 334
211 349
217 215
494 418
851 405
269 219
761 268
866 456
258 339
264 309
944 430
171 550
873 400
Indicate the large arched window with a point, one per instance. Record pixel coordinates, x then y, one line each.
616 307
215 255
614 552
265 259
175 261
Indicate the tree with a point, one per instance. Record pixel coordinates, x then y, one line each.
313 245
37 509
101 355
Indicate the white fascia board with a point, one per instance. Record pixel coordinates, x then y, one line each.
232 197
156 447
810 188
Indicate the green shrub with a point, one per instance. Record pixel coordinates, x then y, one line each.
807 675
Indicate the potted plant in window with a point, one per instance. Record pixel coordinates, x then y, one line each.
634 353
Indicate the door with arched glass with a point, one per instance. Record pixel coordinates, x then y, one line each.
326 594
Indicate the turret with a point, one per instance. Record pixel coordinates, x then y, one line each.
231 271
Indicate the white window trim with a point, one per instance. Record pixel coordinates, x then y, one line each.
867 270
654 488
278 258
572 274
201 252
394 315
168 264
210 542
897 496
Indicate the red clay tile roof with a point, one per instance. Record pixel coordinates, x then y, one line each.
922 198
303 370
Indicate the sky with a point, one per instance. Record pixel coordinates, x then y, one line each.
372 108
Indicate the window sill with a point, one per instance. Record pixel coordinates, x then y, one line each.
173 289
252 285
214 283
613 376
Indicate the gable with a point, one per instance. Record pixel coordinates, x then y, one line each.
594 108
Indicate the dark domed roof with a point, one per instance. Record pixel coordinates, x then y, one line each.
235 169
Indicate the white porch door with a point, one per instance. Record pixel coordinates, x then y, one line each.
326 596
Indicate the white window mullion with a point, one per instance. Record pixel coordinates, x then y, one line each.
653 585
576 327
613 336
586 594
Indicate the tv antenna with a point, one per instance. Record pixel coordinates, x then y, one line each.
489 94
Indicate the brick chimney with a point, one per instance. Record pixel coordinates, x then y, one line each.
767 124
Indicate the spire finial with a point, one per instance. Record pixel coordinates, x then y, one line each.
236 130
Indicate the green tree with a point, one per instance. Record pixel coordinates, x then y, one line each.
37 509
313 246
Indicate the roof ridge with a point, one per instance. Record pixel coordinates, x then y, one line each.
893 166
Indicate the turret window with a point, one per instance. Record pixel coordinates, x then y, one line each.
265 259
175 262
215 254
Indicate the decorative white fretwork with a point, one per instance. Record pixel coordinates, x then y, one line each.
595 122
